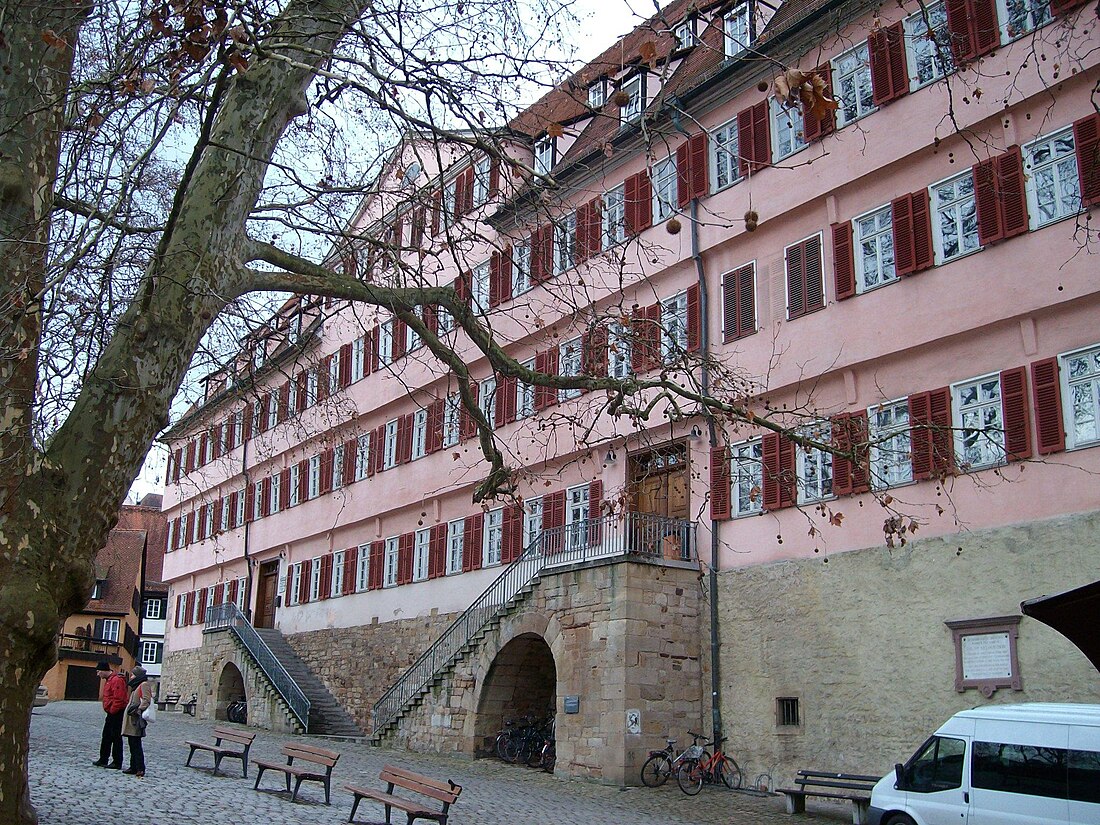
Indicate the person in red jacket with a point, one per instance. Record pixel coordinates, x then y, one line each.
115 696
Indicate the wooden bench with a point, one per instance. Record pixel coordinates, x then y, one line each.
445 792
169 699
239 750
314 759
856 787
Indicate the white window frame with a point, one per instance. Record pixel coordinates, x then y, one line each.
479 287
957 205
450 193
294 576
737 30
619 340
976 447
597 93
664 183
786 120
674 321
452 419
315 579
1065 174
684 33
747 478
482 171
208 521
634 86
311 386
444 321
532 521
565 243
295 481
421 552
240 514
525 394
334 372
613 217
273 493
240 593
336 581
1069 406
272 411
238 427
385 343
292 398
725 163
923 50
362 568
456 530
358 359
419 434
569 364
412 337
362 456
881 239
1030 21
181 609
389 448
814 468
576 516
257 504
154 609
149 650
545 149
391 560
852 84
890 457
338 466
487 400
492 537
314 483
521 268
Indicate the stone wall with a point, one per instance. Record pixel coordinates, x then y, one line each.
861 642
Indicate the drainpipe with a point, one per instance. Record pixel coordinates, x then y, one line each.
247 525
712 431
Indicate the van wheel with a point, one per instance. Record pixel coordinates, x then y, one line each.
899 819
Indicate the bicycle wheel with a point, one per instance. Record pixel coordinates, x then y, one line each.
549 757
655 770
502 744
729 772
512 750
534 756
690 777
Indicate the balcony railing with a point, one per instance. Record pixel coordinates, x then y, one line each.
86 646
228 615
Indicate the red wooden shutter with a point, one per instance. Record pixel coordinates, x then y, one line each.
351 448
924 255
943 436
553 519
1048 406
595 512
913 251
694 319
691 169
494 177
739 302
460 195
580 232
889 72
405 558
638 203
234 590
404 438
204 441
435 426
219 594
1016 414
284 488
250 502
437 551
351 565
303 480
753 138
345 365
471 543
987 202
326 576
303 581
468 199
816 128
844 266
507 401
720 478
542 253
303 382
932 438
467 426
327 465
594 352
778 472
494 279
201 596
546 363
985 27
1012 195
805 292
1086 139
513 531
377 562
849 434
437 209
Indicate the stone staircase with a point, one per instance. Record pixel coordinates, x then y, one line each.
326 717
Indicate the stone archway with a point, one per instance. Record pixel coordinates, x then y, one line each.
521 681
230 689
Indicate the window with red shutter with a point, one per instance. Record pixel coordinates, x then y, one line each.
542 253
638 203
1047 389
595 513
326 577
974 27
691 169
547 364
720 492
351 566
471 543
999 197
849 435
739 302
405 558
376 564
815 128
694 319
805 287
594 351
778 472
889 72
1086 140
844 265
553 522
1017 414
753 135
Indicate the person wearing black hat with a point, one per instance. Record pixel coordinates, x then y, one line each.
133 728
114 705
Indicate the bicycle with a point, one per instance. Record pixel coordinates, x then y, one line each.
694 771
662 764
237 711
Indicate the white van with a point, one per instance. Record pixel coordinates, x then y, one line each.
1021 764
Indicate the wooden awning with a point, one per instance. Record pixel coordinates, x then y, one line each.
1075 614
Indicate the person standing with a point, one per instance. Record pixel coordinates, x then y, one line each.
114 705
134 727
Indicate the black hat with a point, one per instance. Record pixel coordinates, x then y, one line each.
104 665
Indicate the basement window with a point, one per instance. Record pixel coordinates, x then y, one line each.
788 714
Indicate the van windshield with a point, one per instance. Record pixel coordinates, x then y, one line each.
937 766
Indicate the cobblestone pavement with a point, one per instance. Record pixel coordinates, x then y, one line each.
68 790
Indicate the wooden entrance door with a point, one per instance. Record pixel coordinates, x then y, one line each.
268 589
659 487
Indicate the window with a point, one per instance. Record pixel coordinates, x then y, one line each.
1020 769
576 517
685 34
208 519
150 653
1053 188
272 412
240 594
482 174
737 32
385 343
787 712
337 466
663 177
444 321
449 193
487 399
389 449
315 580
110 630
565 243
747 477
525 394
420 434
238 426
674 335
420 554
874 238
978 418
362 568
632 110
929 44
314 484
295 579
532 522
389 575
724 163
569 363
805 278
311 386
815 467
597 93
1021 16
362 456
334 372
852 85
336 580
521 268
295 481
239 515
257 417
257 506
954 218
739 302
273 493
613 216
937 766
452 408
891 444
544 155
788 135
291 397
618 350
412 337
1081 374
455 530
358 358
493 537
154 609
479 287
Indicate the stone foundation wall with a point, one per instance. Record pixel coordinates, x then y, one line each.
861 642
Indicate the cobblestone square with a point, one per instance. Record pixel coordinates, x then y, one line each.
68 790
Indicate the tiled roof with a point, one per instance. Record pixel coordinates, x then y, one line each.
119 563
149 518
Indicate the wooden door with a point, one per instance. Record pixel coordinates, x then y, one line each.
268 591
659 486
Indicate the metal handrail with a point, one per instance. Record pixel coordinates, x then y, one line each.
640 534
228 615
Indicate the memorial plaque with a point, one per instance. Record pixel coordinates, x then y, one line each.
986 656
572 704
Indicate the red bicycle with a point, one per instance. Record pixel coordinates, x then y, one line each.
716 768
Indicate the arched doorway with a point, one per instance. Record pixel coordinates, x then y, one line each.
230 689
522 681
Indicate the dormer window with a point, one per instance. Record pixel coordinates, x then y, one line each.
737 30
544 155
99 588
597 93
685 34
633 88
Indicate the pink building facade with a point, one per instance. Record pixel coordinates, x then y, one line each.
911 277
